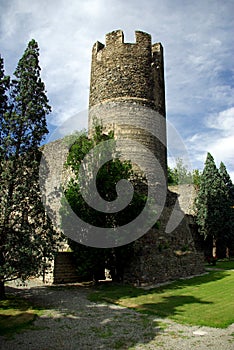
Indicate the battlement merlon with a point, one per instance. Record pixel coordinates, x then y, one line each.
157 52
116 38
97 47
142 38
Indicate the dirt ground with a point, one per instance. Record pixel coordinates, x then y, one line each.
72 322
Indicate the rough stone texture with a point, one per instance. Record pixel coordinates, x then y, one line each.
186 196
121 69
161 256
127 90
64 268
132 121
53 175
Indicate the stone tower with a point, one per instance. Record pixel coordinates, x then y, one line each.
127 95
127 92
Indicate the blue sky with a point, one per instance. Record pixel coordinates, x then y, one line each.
197 37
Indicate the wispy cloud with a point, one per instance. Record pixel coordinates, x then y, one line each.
217 138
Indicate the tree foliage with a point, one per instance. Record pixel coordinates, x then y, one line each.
227 181
27 239
229 239
180 174
213 206
90 260
4 87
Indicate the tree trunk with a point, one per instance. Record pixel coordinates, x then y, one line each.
2 290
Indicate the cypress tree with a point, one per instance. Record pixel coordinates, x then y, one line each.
227 181
212 206
27 239
4 87
229 214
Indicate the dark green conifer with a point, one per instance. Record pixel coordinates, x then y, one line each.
27 239
229 214
212 206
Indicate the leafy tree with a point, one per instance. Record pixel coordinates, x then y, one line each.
27 239
179 174
184 176
212 206
172 177
196 174
91 260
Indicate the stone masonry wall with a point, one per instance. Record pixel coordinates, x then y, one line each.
127 91
52 165
138 123
65 268
159 256
120 69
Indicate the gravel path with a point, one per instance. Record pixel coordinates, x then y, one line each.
72 322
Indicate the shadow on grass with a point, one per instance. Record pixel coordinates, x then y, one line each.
16 314
169 306
165 306
10 324
121 291
172 300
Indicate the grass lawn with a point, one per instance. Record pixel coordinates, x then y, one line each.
15 315
205 300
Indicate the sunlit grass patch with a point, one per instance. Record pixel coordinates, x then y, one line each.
205 300
16 314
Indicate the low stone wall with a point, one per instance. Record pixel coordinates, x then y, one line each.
186 195
65 268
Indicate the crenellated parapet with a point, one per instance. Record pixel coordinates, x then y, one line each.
116 38
127 70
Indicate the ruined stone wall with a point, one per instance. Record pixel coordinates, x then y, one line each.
186 196
161 256
53 176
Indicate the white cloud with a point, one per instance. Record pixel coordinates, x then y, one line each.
217 138
223 121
